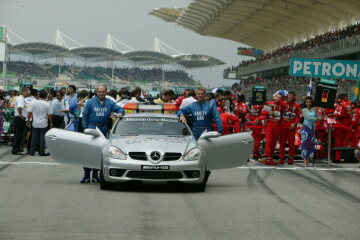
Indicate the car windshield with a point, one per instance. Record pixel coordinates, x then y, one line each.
151 126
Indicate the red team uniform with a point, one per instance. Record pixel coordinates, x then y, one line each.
321 132
290 115
228 120
240 110
341 131
355 120
272 129
254 118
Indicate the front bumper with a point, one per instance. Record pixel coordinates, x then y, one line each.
130 170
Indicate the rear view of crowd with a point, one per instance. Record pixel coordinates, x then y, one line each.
319 40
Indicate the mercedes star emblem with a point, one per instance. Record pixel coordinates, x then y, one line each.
155 155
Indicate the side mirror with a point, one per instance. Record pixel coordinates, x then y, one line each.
92 132
212 134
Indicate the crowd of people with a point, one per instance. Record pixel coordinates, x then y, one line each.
319 40
285 121
297 84
48 71
276 124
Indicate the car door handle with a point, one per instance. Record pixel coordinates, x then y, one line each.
246 141
52 137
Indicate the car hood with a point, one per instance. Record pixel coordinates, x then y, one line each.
160 143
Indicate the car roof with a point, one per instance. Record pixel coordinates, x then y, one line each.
156 115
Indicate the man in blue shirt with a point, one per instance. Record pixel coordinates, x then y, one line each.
203 113
97 112
70 98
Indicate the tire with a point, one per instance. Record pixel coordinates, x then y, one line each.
201 187
104 185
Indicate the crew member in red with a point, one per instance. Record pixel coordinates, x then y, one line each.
254 121
221 105
273 111
230 122
291 116
240 108
179 100
341 133
355 119
322 132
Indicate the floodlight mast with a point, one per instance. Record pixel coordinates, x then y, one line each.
59 40
6 57
110 42
159 45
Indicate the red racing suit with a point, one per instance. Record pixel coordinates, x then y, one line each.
254 119
230 122
179 100
341 130
291 115
355 120
322 132
272 126
240 110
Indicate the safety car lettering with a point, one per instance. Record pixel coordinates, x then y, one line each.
200 115
99 111
149 119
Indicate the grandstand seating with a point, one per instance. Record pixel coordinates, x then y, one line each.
19 69
328 45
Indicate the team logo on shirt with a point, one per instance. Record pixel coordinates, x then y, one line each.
200 115
100 111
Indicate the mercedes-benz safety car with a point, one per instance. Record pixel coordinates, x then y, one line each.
150 147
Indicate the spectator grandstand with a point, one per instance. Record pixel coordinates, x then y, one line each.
347 37
25 70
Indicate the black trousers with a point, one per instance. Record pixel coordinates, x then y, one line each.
27 130
58 122
38 140
19 125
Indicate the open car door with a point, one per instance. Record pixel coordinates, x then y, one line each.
226 151
75 148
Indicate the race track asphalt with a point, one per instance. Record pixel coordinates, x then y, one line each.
40 199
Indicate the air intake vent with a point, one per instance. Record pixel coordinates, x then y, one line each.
138 155
171 156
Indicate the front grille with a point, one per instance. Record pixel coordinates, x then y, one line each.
169 156
138 155
172 156
154 175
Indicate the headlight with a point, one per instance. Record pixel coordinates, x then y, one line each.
116 153
193 155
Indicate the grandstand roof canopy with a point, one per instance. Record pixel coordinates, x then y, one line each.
97 53
48 50
168 14
263 24
40 49
149 57
197 61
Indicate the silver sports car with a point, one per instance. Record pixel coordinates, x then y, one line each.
150 147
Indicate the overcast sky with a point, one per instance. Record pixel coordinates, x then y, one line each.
88 22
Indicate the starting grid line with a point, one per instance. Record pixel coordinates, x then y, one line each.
31 163
302 168
243 167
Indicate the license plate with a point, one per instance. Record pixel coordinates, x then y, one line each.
153 167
